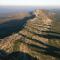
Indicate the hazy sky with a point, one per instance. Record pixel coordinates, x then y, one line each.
31 2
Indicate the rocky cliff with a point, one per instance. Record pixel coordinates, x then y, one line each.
36 38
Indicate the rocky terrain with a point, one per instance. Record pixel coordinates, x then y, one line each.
37 38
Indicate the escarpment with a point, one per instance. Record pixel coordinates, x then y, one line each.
36 38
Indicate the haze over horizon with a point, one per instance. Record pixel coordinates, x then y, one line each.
29 2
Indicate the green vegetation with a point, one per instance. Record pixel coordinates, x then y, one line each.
16 45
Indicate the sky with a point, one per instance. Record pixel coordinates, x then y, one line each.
30 2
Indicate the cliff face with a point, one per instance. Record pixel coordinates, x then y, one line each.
34 38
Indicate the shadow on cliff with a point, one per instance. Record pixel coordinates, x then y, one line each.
47 50
48 35
15 56
51 32
13 26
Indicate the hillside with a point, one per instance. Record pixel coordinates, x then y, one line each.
36 38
